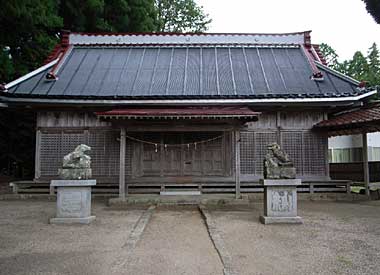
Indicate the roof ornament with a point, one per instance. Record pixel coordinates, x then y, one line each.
317 76
50 76
3 87
362 85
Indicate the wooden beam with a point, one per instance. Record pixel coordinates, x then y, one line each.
365 162
122 190
237 164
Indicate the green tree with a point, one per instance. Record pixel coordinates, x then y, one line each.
84 15
108 15
181 16
330 55
373 8
373 65
142 16
358 67
28 33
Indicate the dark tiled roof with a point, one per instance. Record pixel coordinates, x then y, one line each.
179 71
368 114
138 66
356 121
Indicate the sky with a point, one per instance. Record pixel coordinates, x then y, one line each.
343 24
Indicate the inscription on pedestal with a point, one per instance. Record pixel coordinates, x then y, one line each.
282 201
71 202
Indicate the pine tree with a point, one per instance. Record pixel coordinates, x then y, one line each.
373 65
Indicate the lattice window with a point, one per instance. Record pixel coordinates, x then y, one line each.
291 143
53 147
50 153
247 153
315 147
104 153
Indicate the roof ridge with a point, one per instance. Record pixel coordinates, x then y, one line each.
185 33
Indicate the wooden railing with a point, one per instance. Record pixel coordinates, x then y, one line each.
332 186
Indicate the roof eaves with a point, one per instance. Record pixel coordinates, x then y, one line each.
31 74
338 74
185 99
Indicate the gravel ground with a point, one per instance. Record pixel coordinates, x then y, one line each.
336 238
29 245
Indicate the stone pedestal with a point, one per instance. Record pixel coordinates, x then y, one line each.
73 201
280 201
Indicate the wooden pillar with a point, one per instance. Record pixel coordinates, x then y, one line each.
37 164
122 192
237 163
365 163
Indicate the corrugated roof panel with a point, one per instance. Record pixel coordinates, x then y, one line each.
271 71
292 82
145 74
102 58
256 72
239 68
209 78
83 73
160 77
302 71
68 72
131 70
29 85
177 74
226 85
193 72
340 84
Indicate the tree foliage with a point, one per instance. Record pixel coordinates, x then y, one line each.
373 8
30 28
180 16
361 67
28 32
108 15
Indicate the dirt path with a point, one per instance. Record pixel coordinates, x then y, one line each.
175 241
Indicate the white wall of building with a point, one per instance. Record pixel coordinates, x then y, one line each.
353 141
348 148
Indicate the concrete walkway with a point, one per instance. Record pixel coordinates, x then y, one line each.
175 242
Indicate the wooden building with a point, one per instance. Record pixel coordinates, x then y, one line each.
183 108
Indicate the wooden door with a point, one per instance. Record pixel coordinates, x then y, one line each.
188 159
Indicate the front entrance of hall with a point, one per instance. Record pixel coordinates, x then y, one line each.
179 145
180 155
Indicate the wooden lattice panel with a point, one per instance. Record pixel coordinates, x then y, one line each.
50 153
104 153
54 146
247 153
292 144
315 147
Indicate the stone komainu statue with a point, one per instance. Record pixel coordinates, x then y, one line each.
277 164
76 165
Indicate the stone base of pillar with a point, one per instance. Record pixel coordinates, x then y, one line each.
86 220
270 220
